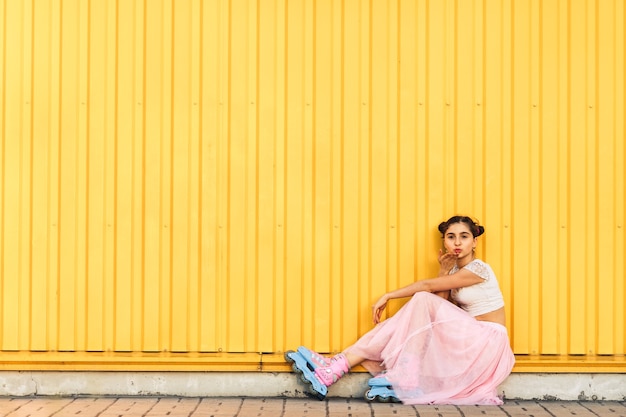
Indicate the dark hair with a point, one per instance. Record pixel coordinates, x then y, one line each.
474 227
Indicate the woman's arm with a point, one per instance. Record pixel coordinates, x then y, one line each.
461 278
446 263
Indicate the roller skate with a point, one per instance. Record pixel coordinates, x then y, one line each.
317 371
306 371
381 390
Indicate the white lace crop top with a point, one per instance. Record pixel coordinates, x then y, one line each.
479 298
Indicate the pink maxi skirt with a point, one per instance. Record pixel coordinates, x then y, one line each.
433 352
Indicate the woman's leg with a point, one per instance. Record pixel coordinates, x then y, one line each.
353 359
332 369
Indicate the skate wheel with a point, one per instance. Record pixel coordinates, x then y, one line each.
381 399
287 357
303 378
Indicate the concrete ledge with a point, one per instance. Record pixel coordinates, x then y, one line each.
523 386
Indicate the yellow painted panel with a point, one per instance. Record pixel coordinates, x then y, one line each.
268 180
211 210
293 261
577 175
548 168
607 127
44 159
245 177
69 204
406 148
178 151
350 260
127 209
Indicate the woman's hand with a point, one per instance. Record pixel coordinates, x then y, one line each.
379 307
446 262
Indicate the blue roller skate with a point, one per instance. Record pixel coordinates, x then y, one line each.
305 365
316 370
381 390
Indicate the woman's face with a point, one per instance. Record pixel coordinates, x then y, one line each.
459 240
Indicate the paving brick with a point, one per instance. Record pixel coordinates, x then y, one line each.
85 407
40 407
604 409
218 407
348 407
438 411
393 410
478 411
571 408
8 405
297 407
525 408
129 407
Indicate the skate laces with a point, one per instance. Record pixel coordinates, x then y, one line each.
320 360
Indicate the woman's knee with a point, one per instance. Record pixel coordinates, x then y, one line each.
423 295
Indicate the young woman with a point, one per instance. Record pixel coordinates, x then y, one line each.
446 345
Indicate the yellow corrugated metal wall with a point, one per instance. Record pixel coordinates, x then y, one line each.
249 175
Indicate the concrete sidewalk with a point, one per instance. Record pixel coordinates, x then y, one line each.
286 407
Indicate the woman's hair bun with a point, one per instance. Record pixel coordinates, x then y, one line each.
475 228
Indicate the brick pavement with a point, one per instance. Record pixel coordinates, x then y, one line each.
286 407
